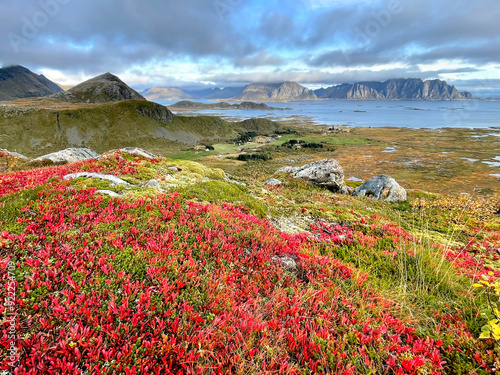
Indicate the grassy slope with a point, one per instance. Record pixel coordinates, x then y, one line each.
33 132
418 259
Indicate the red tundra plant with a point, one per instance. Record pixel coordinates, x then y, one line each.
162 285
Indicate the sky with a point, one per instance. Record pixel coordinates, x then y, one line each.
317 43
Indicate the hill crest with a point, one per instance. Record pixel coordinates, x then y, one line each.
101 89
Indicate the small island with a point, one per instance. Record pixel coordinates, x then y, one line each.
187 105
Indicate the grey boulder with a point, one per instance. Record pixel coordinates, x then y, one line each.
70 155
383 188
326 173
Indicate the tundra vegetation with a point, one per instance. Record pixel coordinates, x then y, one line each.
201 275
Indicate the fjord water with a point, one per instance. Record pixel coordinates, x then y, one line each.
411 114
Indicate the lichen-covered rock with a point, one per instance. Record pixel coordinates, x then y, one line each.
326 173
70 155
383 188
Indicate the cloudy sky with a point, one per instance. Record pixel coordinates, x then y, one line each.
234 42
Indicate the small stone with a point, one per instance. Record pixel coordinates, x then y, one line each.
154 184
286 262
273 182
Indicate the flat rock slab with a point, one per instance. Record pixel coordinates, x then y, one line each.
115 180
382 188
70 155
326 173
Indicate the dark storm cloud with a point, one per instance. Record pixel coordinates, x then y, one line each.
115 32
94 36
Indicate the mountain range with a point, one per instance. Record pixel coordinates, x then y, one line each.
394 89
17 82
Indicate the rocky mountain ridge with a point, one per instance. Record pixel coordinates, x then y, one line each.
276 92
395 89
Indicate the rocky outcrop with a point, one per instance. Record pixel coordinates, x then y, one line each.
17 82
101 89
325 173
394 89
383 188
70 155
275 92
156 112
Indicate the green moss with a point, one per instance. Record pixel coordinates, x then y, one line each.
222 191
10 209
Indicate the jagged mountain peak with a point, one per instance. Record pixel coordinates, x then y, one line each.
18 82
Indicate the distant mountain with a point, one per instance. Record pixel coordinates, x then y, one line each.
182 93
18 82
226 93
275 92
166 93
201 93
101 89
394 89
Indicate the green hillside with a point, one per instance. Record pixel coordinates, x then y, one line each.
36 131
